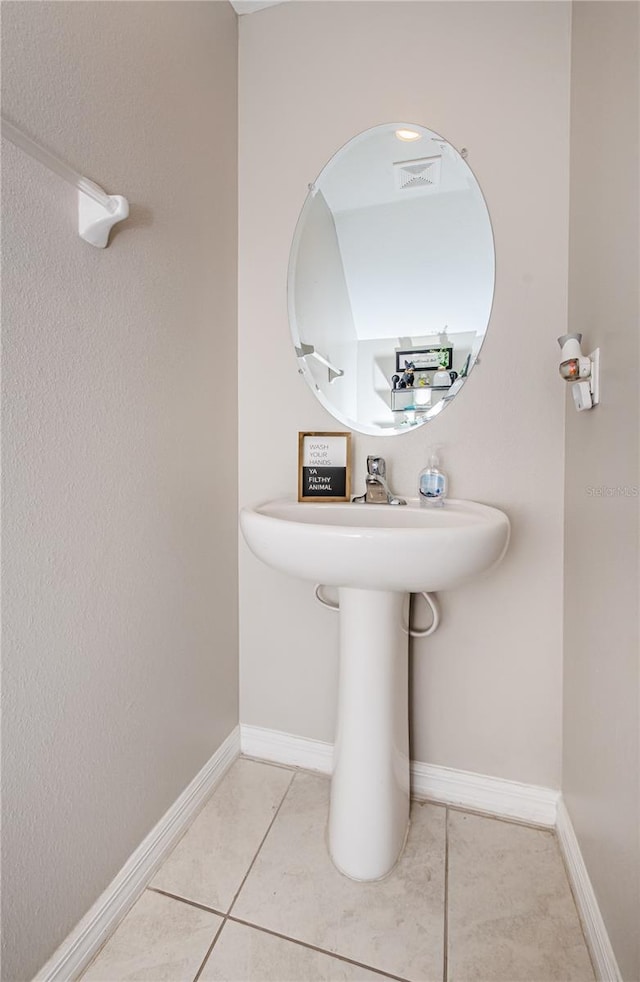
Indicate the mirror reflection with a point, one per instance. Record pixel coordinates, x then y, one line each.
391 279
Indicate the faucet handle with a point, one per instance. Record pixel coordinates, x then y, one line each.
376 465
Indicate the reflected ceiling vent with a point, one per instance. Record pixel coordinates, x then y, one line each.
421 173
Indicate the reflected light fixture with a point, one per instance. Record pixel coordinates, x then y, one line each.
408 136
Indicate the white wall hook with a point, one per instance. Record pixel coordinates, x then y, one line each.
96 220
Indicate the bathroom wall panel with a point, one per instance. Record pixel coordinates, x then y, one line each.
120 441
601 765
492 77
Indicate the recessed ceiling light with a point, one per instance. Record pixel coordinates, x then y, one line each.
408 135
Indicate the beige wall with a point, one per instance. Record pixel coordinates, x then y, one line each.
602 644
120 654
493 77
120 639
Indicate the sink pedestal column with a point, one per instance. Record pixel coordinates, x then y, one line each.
369 811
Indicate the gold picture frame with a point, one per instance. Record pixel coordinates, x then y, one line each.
324 466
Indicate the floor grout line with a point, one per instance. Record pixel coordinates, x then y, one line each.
271 763
262 842
482 813
225 917
313 947
445 944
185 900
209 950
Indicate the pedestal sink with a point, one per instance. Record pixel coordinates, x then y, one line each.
375 555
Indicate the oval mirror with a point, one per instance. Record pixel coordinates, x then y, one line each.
391 279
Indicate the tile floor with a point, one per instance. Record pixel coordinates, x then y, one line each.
249 894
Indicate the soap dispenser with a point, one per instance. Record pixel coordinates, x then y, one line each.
432 484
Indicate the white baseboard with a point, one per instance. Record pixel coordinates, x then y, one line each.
528 803
477 792
81 946
602 955
285 748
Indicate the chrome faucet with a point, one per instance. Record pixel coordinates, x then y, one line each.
377 490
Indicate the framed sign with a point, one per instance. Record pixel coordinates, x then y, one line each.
324 466
421 359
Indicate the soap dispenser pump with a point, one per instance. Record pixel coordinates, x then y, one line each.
432 483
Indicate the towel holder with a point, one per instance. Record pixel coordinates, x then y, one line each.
98 211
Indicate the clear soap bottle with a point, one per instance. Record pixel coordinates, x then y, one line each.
432 484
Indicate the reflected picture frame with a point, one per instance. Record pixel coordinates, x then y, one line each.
424 359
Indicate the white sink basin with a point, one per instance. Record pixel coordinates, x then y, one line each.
375 555
405 548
